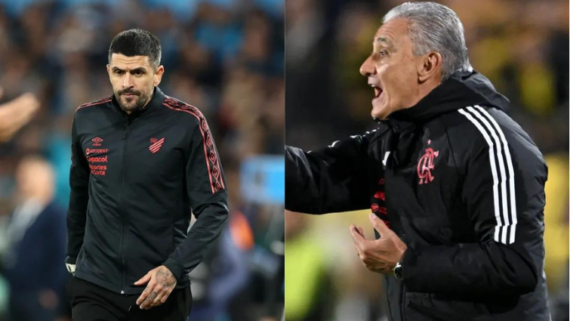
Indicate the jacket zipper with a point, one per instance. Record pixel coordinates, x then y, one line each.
388 299
402 302
124 216
398 282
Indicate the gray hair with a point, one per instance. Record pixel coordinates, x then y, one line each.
435 27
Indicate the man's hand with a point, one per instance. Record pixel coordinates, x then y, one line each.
15 114
70 268
380 255
161 282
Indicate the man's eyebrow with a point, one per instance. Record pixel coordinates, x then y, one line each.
384 40
138 69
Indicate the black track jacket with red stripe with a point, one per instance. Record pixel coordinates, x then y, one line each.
461 184
135 180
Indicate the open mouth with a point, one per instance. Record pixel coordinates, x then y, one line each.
377 91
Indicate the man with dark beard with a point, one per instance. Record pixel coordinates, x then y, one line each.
142 162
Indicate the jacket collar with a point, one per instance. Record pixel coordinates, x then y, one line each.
463 88
154 103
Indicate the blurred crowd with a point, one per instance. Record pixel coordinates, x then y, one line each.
521 46
225 57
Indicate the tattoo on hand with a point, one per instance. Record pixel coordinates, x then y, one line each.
165 277
151 297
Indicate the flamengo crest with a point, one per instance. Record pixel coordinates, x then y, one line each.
426 165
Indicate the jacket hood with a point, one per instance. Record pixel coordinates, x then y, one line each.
463 88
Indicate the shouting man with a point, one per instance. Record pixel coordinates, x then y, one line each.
456 187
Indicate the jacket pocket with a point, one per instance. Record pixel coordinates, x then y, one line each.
431 307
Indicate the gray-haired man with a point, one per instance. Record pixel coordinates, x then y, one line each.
455 185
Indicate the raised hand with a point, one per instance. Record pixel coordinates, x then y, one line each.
380 255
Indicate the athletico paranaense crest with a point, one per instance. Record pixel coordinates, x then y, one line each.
155 144
426 165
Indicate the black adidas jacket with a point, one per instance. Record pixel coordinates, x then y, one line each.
135 179
461 184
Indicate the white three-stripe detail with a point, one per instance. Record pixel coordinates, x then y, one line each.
503 180
511 173
493 171
488 127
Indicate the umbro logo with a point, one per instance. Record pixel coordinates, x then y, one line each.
155 144
97 141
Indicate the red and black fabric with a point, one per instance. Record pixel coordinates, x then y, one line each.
135 181
463 188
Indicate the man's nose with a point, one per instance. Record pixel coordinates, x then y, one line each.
127 81
367 67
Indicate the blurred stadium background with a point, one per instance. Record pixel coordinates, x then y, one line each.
223 56
522 46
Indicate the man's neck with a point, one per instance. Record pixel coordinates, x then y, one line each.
424 90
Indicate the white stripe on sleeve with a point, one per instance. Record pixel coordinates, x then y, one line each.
511 178
502 171
497 237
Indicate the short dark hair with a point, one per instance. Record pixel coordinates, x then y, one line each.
137 42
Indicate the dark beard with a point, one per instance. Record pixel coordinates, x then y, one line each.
138 104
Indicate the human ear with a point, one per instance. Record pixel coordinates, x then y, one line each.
429 66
